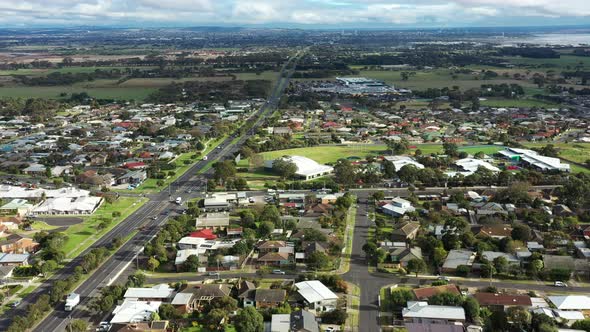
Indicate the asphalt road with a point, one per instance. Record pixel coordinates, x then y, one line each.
141 221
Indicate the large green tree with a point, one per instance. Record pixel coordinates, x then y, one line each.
249 320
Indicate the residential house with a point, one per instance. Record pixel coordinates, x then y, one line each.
212 220
246 293
397 207
35 170
422 312
17 207
490 256
14 259
316 295
17 244
571 302
195 296
132 177
425 293
495 231
405 231
269 298
296 321
434 327
402 255
502 301
131 311
161 292
458 257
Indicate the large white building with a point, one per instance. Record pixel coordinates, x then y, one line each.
26 193
307 169
468 166
317 295
66 205
401 161
535 160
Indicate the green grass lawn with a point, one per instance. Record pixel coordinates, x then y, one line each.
562 62
499 102
53 92
82 235
329 154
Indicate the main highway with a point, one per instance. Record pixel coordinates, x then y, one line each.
143 223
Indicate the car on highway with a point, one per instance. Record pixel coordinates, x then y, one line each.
559 284
278 272
15 304
154 217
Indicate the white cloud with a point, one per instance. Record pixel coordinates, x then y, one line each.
316 12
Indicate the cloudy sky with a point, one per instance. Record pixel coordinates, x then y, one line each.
300 13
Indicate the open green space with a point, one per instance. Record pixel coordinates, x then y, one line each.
524 102
329 154
53 92
577 152
563 62
82 235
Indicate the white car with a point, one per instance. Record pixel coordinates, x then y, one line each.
559 284
278 272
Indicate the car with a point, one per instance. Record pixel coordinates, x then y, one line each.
251 200
559 284
188 191
278 272
213 274
154 217
329 329
103 327
15 304
443 278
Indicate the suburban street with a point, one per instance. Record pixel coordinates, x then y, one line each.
142 222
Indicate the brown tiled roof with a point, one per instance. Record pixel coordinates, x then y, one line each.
426 292
270 295
496 230
274 256
502 299
272 245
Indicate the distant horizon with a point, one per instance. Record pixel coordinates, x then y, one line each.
308 14
301 27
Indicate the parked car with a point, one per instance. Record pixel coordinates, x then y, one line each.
15 304
559 284
213 274
443 278
278 272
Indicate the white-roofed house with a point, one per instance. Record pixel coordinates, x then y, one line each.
468 166
131 311
317 295
401 161
422 312
571 302
307 169
66 205
161 292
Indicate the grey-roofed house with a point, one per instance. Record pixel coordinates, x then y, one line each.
269 298
456 258
213 220
296 321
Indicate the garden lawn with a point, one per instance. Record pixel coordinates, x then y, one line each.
329 154
84 234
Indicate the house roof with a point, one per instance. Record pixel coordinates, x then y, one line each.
272 245
433 327
420 309
496 230
270 295
161 291
303 320
502 299
406 228
274 257
204 233
571 302
13 258
426 292
131 311
459 257
315 291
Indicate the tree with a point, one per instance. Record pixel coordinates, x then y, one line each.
168 312
136 280
450 149
518 317
192 263
582 325
318 260
462 270
270 213
285 168
249 320
397 147
224 170
501 264
416 265
446 298
344 172
48 266
399 298
264 229
214 318
226 303
152 264
408 173
521 232
77 325
439 255
337 316
471 307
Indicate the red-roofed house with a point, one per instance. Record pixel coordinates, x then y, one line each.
204 233
135 165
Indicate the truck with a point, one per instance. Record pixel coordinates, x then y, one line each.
178 200
71 301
